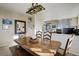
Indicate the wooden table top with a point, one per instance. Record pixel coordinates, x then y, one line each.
39 48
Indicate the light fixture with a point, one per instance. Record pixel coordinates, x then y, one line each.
35 8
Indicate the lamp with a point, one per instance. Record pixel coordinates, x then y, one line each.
35 8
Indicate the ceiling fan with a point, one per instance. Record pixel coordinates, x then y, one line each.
35 8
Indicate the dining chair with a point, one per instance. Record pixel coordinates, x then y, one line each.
65 51
68 45
46 38
38 35
50 44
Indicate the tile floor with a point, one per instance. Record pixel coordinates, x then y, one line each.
4 51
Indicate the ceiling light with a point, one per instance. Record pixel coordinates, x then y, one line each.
35 8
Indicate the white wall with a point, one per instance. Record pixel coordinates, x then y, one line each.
39 18
6 36
30 27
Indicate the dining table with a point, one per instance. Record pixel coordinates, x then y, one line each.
38 48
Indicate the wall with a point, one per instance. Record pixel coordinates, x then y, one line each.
39 18
6 36
31 27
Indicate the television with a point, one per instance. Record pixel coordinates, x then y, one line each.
68 30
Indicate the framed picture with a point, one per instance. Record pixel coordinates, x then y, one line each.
6 23
20 27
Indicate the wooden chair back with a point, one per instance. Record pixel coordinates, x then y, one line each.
39 35
46 38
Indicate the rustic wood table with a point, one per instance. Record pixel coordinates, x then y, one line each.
39 49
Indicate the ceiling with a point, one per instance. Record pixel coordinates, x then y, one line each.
55 8
16 7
